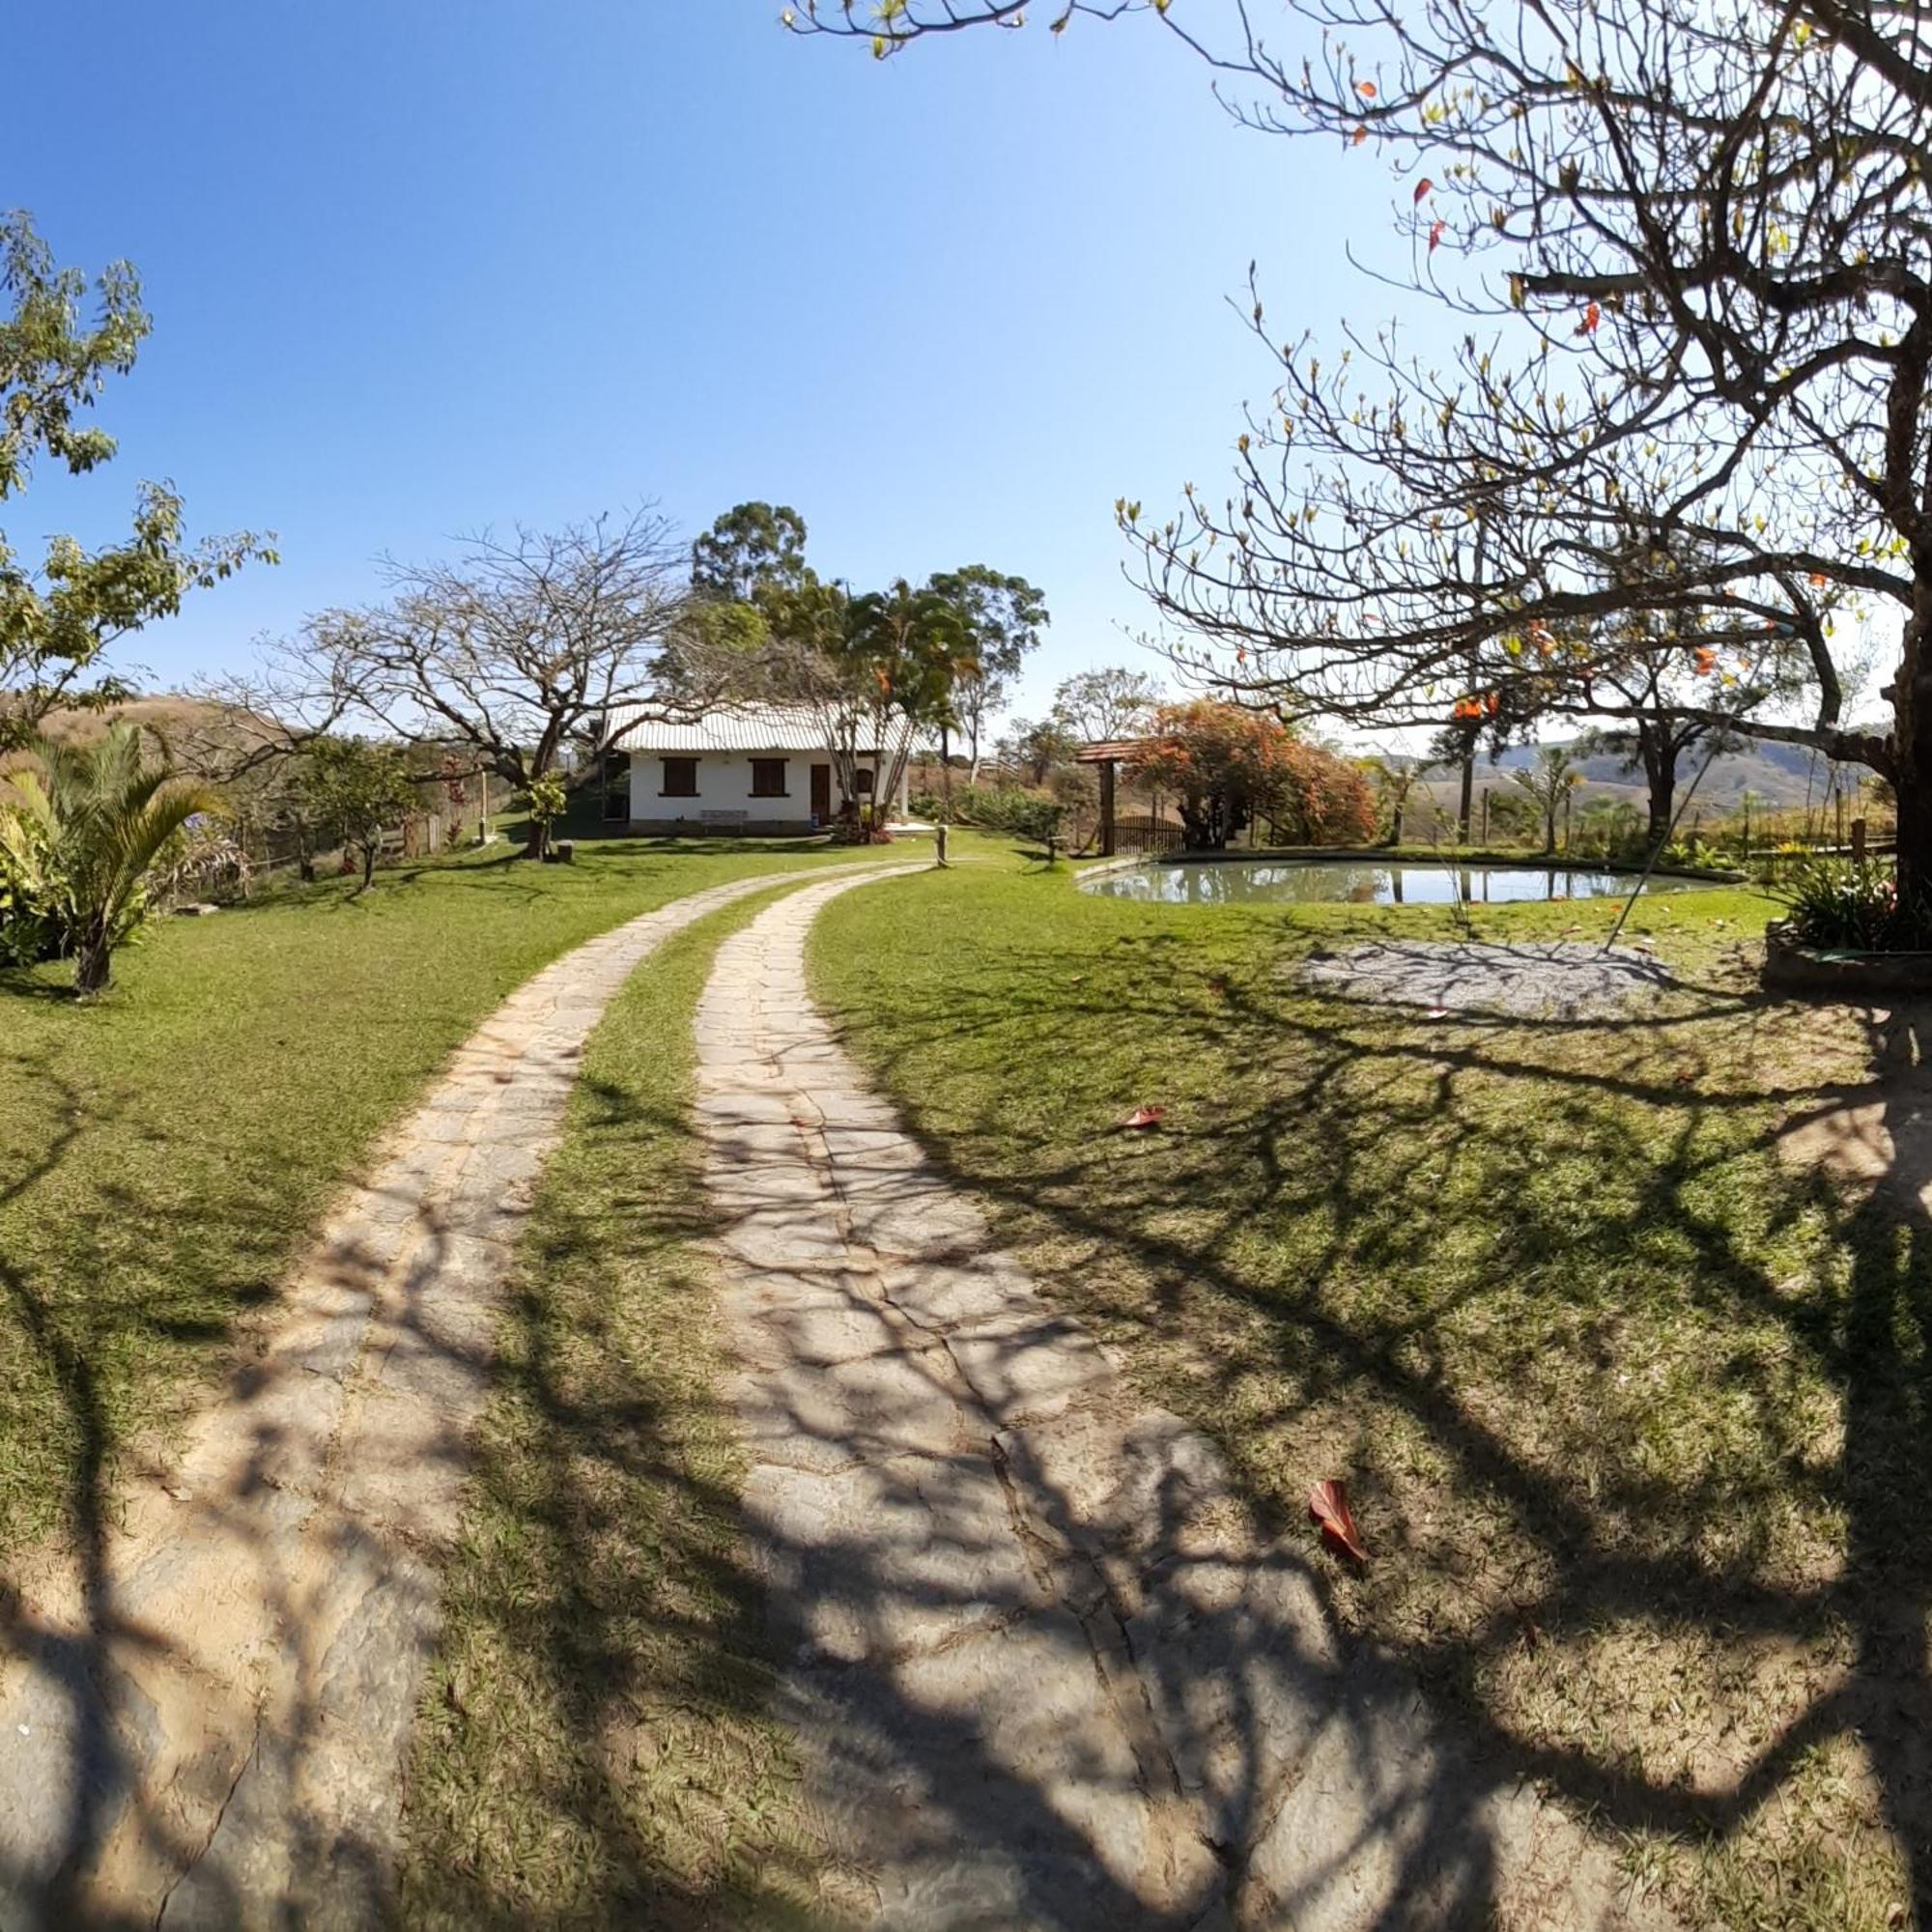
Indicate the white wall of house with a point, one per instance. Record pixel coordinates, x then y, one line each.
724 785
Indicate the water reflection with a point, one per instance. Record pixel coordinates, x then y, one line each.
1351 881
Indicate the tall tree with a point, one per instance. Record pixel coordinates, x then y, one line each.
1004 617
1104 704
876 670
752 547
58 617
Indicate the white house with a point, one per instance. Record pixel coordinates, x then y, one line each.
753 768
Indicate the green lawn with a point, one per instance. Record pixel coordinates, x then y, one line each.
163 1150
1634 1416
592 1747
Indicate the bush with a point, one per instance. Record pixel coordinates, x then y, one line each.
1020 811
1838 904
29 925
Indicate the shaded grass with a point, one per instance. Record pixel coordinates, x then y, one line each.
163 1150
1636 1417
591 1748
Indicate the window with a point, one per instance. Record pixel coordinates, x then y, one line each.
862 778
767 778
680 779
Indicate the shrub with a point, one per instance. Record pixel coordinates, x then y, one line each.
1855 907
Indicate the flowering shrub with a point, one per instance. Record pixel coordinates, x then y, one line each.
1227 767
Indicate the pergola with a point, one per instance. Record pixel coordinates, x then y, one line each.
1107 755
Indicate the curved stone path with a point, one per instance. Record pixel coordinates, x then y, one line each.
205 1723
1042 1672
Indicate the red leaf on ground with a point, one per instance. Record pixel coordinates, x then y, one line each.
1145 1117
1328 1505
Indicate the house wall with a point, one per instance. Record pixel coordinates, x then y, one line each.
724 785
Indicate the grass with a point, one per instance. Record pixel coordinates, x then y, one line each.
164 1151
591 1748
1636 1415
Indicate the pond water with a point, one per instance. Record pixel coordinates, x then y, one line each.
1362 882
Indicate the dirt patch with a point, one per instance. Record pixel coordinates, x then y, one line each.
1521 981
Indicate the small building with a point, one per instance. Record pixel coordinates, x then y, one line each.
761 769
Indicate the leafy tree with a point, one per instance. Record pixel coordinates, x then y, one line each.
1036 747
1548 781
876 670
1004 616
58 618
358 791
1393 780
1111 702
1228 767
81 837
547 800
752 547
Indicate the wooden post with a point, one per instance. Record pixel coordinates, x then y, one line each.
1857 841
939 842
1106 808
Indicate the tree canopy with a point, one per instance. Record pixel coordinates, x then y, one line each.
57 617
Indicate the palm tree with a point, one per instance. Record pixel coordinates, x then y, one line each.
1548 781
85 831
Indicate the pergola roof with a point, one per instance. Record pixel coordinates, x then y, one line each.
1110 750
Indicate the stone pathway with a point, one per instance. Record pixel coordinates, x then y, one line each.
205 1723
1042 1672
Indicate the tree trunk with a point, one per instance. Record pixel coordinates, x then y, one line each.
1660 773
94 960
369 862
536 840
1465 803
946 771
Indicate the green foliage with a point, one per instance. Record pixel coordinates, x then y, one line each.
56 620
1227 766
77 846
753 548
354 791
1021 812
1852 905
545 799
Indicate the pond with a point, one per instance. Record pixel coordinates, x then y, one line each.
1363 882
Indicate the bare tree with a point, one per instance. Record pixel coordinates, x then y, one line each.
522 653
1688 252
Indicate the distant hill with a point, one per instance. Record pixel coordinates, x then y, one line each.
1779 776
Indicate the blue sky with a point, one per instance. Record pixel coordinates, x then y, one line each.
419 267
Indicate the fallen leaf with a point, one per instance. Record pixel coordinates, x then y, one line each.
1436 1013
1328 1505
1145 1117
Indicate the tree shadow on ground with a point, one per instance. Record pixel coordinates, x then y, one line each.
1338 1251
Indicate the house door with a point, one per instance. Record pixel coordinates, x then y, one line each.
821 793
